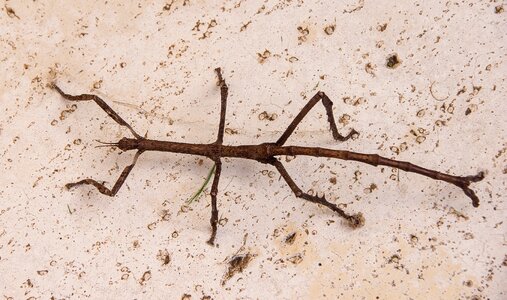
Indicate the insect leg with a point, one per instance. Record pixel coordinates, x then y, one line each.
101 187
101 103
224 91
328 105
354 221
214 209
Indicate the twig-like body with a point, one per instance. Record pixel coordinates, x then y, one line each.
264 153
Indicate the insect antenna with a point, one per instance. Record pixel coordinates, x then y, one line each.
106 144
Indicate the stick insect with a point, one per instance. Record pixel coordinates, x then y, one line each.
265 153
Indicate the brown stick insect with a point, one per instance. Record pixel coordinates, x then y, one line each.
265 153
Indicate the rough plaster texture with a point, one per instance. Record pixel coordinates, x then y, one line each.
443 106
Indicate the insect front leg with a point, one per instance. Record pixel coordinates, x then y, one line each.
87 97
101 187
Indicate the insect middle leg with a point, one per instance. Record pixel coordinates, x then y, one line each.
214 208
328 105
224 91
101 187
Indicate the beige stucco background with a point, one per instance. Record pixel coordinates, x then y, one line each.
443 107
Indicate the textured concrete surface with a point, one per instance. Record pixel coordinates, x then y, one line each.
441 105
